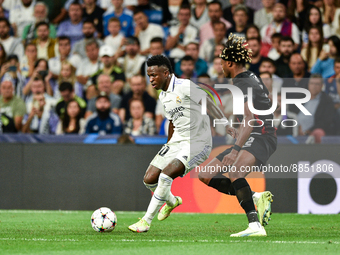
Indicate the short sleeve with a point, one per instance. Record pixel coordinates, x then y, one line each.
193 91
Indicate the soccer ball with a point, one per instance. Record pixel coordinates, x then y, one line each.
103 220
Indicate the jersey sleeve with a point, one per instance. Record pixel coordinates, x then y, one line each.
193 91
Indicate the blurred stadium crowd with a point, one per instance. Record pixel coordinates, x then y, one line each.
79 66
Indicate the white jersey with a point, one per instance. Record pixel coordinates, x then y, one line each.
181 106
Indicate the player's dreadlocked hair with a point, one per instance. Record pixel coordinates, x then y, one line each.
235 50
160 60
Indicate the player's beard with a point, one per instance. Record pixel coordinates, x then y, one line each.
103 114
88 35
225 73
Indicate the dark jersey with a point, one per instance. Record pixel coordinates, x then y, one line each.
263 124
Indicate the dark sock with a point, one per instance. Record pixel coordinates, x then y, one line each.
222 184
244 196
252 216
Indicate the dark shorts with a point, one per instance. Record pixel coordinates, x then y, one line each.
260 146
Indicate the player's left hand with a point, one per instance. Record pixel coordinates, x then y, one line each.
230 158
232 131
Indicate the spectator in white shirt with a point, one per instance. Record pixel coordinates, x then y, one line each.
115 39
11 44
264 16
21 15
146 31
199 13
132 61
181 34
90 65
64 54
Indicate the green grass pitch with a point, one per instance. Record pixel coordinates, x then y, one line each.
70 232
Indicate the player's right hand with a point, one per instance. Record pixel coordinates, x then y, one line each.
230 158
232 131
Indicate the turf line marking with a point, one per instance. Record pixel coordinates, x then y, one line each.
166 241
62 211
37 211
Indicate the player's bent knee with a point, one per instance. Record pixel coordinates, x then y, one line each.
151 175
150 179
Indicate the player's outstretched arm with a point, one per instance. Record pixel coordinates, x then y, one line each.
217 113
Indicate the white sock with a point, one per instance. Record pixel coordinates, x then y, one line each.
256 196
160 196
151 187
255 225
171 200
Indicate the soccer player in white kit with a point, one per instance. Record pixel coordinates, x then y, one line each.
189 140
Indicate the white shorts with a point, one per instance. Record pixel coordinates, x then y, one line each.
190 154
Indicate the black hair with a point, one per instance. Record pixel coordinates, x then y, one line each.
188 58
336 60
42 23
6 21
66 119
265 59
276 35
185 6
307 24
336 42
133 39
286 39
76 3
65 86
39 60
235 50
13 56
160 60
138 11
215 2
63 37
89 21
255 27
157 39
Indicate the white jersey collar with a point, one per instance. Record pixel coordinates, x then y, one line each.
171 84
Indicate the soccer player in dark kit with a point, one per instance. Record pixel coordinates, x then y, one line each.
254 145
